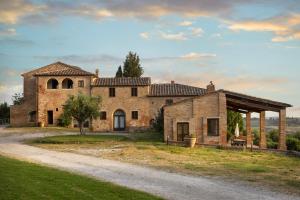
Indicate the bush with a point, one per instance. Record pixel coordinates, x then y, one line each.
271 144
158 123
64 120
273 135
256 137
292 143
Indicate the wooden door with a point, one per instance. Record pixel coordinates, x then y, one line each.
182 130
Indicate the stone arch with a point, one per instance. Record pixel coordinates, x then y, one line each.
52 84
67 83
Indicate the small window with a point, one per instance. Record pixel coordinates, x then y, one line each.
102 115
52 84
134 92
80 83
67 84
56 109
134 115
112 92
169 101
32 116
213 127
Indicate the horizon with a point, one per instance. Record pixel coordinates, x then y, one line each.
247 47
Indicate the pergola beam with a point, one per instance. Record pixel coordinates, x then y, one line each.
250 105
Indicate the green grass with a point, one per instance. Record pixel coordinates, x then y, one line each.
23 180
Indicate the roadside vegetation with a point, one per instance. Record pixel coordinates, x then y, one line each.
275 170
23 180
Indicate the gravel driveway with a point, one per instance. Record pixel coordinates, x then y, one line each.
161 183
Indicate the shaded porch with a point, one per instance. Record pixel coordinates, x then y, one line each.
248 104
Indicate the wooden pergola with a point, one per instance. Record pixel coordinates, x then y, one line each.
248 104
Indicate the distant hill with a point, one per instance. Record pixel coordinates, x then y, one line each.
293 124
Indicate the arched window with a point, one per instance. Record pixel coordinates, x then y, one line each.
52 84
67 84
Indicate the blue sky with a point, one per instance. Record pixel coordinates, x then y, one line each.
251 47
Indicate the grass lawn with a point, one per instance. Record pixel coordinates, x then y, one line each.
23 180
277 171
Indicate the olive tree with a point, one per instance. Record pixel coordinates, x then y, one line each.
82 108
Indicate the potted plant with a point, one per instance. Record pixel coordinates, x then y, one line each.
190 140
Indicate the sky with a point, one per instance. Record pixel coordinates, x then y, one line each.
246 46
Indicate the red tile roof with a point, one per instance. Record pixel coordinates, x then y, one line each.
175 89
122 81
61 69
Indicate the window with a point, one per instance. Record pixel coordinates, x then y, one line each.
67 84
80 83
112 92
213 127
56 109
169 101
134 115
32 116
52 84
102 115
134 92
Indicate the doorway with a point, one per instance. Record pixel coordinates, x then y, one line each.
50 117
182 130
119 120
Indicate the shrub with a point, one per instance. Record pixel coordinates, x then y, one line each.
292 143
271 144
158 123
64 120
256 137
273 135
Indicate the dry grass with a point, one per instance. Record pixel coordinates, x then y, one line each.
269 169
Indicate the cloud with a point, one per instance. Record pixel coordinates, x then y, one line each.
13 10
185 23
144 35
284 28
16 11
7 32
197 32
174 36
193 55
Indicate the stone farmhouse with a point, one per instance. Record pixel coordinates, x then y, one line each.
130 104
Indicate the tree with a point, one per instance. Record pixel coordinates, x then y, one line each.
119 72
81 108
18 99
232 119
4 111
132 67
158 123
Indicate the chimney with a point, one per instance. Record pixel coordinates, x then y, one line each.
97 72
172 82
211 87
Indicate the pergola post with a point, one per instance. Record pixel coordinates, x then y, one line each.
248 128
262 130
282 130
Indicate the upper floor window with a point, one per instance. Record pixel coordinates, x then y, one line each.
213 127
134 114
67 84
169 101
134 92
80 83
102 115
112 92
52 84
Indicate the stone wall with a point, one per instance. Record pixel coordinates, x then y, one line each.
125 102
196 111
53 99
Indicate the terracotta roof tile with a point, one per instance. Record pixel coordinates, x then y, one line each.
175 89
61 69
122 81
